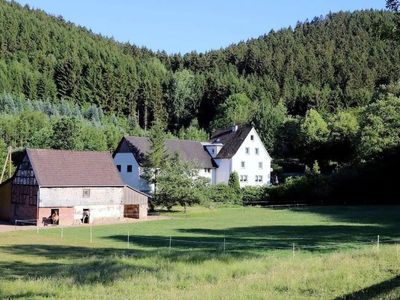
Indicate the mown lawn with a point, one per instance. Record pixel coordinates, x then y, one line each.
336 255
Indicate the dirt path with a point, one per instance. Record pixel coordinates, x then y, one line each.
5 227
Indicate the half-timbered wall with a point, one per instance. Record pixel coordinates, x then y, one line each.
24 192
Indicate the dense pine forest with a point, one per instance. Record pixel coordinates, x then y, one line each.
326 90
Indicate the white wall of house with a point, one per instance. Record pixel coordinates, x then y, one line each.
207 173
99 212
103 202
133 178
257 167
224 170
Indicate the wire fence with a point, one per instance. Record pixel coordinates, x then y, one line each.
89 234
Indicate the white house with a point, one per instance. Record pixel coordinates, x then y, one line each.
131 151
237 149
240 149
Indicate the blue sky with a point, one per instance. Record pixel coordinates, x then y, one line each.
185 25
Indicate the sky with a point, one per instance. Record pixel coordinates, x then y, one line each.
187 25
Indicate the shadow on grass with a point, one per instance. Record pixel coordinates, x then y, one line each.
383 215
87 265
28 295
310 237
104 270
377 291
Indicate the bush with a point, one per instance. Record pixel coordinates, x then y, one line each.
222 193
253 194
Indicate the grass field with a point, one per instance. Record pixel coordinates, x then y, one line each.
336 255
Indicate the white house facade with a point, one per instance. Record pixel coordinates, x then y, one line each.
242 152
131 151
237 149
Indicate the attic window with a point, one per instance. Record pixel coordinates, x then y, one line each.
257 152
86 193
252 137
242 164
247 150
129 168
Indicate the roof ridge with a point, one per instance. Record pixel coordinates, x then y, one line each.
66 150
168 139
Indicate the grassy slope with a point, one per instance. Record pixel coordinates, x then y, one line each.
335 256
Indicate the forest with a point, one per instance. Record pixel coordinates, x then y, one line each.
325 91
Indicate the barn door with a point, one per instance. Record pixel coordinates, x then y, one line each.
131 211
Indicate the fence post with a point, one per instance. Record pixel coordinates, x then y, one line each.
293 250
377 243
224 245
127 241
170 244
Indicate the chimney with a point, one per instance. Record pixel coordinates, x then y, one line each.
235 128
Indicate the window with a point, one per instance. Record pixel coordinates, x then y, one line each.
243 178
259 178
257 151
212 151
119 168
208 170
86 193
252 137
247 150
260 165
242 164
129 168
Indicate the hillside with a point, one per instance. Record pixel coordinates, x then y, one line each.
325 72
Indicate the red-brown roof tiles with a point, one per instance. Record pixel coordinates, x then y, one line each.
60 168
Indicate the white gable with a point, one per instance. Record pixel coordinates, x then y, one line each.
252 161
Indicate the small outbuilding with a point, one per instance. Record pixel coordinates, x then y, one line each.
70 187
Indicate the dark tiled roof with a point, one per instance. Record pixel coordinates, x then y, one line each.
231 139
61 168
190 151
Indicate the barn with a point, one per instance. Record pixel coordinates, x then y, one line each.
69 187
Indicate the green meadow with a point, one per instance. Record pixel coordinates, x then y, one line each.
221 253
